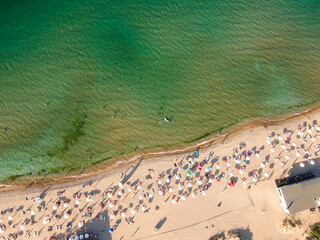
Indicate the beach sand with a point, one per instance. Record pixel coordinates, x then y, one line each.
253 209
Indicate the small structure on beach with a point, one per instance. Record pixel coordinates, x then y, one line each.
299 193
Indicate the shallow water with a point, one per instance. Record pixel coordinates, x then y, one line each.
68 66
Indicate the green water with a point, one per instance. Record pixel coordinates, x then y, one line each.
205 64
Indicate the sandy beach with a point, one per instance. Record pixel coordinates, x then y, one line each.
222 185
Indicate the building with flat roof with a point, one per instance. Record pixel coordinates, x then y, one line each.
297 196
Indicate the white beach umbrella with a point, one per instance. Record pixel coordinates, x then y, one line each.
144 208
231 174
280 138
1 230
283 146
111 204
0 220
262 165
174 201
88 199
120 184
312 162
313 139
318 128
171 189
66 215
71 238
207 170
302 165
310 130
218 166
81 236
255 179
119 192
193 195
159 181
180 187
257 154
86 235
160 192
300 133
77 202
22 226
76 238
287 157
272 149
266 174
110 194
38 200
183 197
177 176
168 180
294 144
123 214
55 207
244 182
238 160
204 192
133 211
190 184
140 197
139 186
297 154
228 164
200 182
80 224
211 180
112 216
45 221
66 204
248 158
150 195
10 218
33 212
241 171
268 140
129 189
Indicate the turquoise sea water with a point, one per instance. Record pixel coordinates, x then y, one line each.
67 66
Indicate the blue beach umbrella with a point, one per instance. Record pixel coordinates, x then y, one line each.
111 230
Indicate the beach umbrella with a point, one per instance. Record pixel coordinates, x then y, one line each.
232 184
22 226
231 174
238 160
159 181
123 214
140 197
120 184
71 238
244 182
200 182
228 164
310 130
110 194
160 192
77 202
177 176
280 138
45 221
171 189
257 154
204 192
150 195
133 211
272 149
302 165
168 180
139 186
66 204
38 200
266 174
55 207
88 199
180 187
129 189
1 230
144 208
211 180
248 158
33 212
283 146
318 128
262 165
0 220
119 192
312 162
10 218
174 201
241 171
86 235
76 238
193 195
294 144
300 133
66 216
297 154
207 170
268 141
111 230
190 184
188 174
218 166
183 197
112 216
80 224
255 179
287 157
313 139
81 236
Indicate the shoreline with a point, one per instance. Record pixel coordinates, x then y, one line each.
121 162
